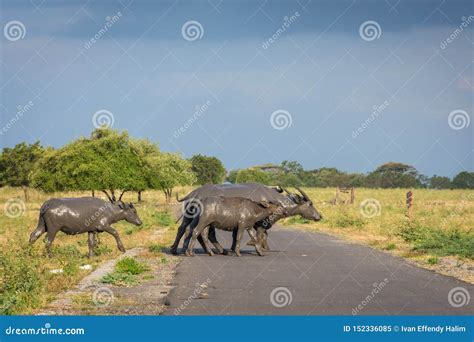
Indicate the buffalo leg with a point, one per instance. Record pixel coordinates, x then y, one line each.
213 239
49 240
240 233
91 241
251 233
196 228
204 237
181 230
259 240
265 241
115 234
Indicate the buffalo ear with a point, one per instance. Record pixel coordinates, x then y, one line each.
121 205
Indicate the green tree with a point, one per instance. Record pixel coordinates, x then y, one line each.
169 170
464 180
439 182
232 176
208 170
145 149
252 175
17 163
106 161
394 175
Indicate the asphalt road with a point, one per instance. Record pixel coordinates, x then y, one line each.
312 274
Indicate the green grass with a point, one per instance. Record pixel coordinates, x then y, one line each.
163 219
433 260
125 272
131 266
439 242
22 281
155 248
390 247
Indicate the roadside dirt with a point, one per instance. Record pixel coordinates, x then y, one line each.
147 297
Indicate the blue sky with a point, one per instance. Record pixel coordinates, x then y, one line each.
321 72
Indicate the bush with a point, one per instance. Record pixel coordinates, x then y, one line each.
125 272
130 266
155 248
439 242
21 281
163 219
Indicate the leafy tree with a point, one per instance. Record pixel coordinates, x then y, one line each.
464 180
208 170
252 175
144 149
17 163
292 167
169 170
107 161
394 175
439 182
232 176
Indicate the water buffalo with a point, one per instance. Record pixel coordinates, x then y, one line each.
228 213
253 191
82 215
294 204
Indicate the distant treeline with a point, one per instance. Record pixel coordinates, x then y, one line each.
388 175
110 160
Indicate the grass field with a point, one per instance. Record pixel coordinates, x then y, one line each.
441 228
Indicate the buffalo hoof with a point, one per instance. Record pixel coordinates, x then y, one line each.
237 253
188 254
225 252
174 251
122 249
211 253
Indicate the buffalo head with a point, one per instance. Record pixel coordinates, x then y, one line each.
130 213
305 206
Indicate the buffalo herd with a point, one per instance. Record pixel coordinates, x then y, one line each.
250 207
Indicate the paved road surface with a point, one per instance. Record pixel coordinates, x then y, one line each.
322 274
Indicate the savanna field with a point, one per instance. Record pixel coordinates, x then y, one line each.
439 235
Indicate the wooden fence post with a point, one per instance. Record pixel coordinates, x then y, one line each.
409 204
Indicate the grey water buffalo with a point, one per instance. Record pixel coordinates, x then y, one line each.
253 191
228 213
294 204
82 215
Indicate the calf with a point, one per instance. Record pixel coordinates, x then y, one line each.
228 213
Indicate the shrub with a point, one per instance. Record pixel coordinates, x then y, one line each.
439 242
21 281
130 266
163 219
